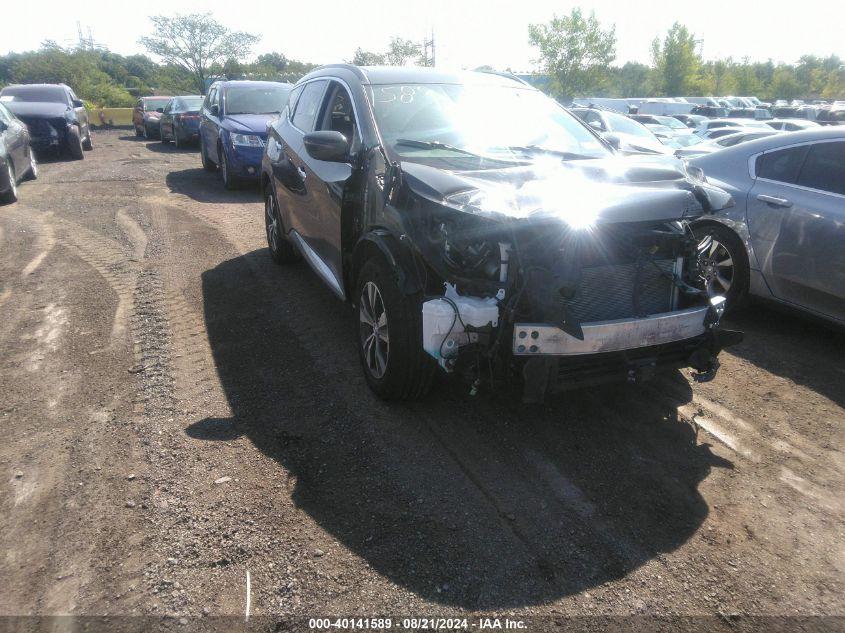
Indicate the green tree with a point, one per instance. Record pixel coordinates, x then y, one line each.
400 52
631 79
676 62
575 51
367 58
198 43
785 84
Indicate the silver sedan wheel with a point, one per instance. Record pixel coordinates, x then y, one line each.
372 319
271 222
716 265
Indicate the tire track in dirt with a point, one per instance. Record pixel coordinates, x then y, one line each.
298 301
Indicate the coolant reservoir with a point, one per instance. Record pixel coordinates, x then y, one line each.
439 315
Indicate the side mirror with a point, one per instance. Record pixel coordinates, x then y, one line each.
596 125
613 139
77 103
160 110
327 145
214 109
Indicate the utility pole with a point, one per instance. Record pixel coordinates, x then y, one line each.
429 44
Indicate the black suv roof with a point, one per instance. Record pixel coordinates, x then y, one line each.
378 75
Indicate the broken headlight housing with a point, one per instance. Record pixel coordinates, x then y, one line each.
484 203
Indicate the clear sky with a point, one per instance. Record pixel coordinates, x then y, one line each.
468 33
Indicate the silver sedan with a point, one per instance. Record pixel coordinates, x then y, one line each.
785 238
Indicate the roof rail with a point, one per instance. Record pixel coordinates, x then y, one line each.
350 67
502 73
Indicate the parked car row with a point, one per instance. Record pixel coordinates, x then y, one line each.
46 118
229 123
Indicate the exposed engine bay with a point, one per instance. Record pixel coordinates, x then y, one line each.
563 274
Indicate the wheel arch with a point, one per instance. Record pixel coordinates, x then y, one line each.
741 235
380 242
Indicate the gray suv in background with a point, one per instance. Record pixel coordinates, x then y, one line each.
785 238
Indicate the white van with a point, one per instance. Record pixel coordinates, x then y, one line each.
665 108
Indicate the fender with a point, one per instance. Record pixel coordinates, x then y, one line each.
398 256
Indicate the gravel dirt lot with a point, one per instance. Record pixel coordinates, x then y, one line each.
178 412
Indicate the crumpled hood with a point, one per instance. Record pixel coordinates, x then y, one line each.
37 108
248 123
578 192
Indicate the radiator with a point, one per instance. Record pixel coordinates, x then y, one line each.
607 292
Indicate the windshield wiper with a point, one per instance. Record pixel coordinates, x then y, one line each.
407 142
536 149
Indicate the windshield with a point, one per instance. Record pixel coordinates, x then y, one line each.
686 140
40 94
623 124
155 104
671 122
256 100
463 117
189 103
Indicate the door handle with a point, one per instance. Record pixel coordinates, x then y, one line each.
774 201
302 173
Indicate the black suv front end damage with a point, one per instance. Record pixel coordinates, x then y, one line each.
559 273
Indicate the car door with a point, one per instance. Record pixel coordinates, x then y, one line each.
138 114
81 113
300 204
336 114
209 128
796 220
166 121
16 139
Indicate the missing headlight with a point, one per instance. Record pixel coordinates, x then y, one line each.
467 252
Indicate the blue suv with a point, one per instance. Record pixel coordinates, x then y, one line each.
234 127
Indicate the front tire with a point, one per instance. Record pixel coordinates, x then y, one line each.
723 264
32 174
88 143
207 163
12 194
281 250
229 180
389 336
74 143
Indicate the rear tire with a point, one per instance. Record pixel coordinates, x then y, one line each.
389 336
74 143
723 262
281 249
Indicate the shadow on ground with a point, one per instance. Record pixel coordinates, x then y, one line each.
794 346
206 186
478 502
169 148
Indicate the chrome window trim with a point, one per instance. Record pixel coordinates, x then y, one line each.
752 162
330 78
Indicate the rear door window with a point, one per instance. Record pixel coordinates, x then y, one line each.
292 99
824 168
782 165
309 102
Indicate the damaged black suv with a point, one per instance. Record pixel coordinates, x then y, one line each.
478 226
